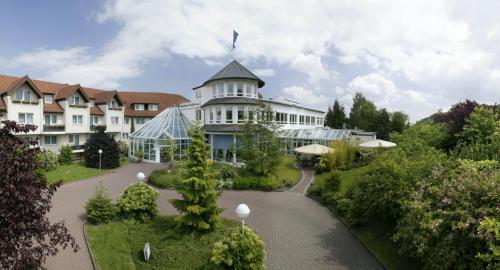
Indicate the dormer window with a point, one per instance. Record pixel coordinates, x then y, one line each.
48 99
74 100
23 95
138 107
239 89
198 94
92 102
112 104
230 89
152 107
220 90
250 90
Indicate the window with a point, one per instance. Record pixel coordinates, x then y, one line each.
220 90
74 100
74 139
250 90
313 120
115 120
50 140
230 89
198 115
214 90
308 120
140 121
25 118
281 118
211 116
218 113
124 136
47 99
23 95
92 102
198 94
241 114
229 115
138 107
239 90
126 120
293 119
112 104
50 119
152 107
77 119
250 115
94 120
301 119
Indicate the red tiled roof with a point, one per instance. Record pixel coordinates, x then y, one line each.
96 111
52 108
69 90
164 100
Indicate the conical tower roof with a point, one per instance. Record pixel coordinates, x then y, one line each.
234 70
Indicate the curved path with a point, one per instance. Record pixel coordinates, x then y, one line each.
299 232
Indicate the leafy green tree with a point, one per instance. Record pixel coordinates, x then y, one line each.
426 132
336 117
398 121
259 145
65 154
480 126
198 206
363 113
489 230
382 124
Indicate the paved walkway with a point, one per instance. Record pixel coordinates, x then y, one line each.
299 232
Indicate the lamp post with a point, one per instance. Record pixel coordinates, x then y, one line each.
100 154
242 211
140 176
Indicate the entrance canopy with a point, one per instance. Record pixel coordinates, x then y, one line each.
313 149
377 143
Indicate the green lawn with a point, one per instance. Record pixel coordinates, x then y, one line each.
74 172
119 245
287 174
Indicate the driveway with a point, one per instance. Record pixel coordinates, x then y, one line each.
299 232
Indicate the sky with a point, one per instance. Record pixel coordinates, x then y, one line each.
412 56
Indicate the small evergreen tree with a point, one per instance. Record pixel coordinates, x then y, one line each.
337 116
110 157
198 206
259 147
100 208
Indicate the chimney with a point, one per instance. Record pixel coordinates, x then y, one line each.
344 126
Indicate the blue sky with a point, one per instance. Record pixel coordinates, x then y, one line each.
416 56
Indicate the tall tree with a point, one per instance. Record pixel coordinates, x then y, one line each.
329 118
382 124
454 120
363 113
27 237
260 147
480 126
198 206
398 121
110 157
336 116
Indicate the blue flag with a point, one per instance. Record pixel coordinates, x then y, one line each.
235 36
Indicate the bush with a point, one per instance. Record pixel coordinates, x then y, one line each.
139 155
256 183
341 157
165 179
239 251
47 160
65 154
100 208
138 202
123 146
99 140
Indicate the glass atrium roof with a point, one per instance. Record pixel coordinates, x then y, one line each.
168 124
322 133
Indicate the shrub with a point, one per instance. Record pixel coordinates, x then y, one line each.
342 156
65 154
239 251
138 202
123 146
139 155
256 183
99 140
165 179
47 160
489 230
100 208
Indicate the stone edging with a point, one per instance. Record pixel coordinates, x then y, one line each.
92 259
348 228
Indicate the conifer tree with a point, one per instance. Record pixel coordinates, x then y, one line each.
338 117
198 206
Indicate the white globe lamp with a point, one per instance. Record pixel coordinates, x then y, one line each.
242 211
140 176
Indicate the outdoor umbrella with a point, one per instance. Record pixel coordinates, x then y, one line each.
377 143
313 149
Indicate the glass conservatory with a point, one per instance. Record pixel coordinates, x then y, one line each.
293 138
168 129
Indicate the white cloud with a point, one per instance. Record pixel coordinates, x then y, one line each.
311 65
305 96
264 72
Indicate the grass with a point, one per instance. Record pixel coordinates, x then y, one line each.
119 245
374 234
287 174
75 171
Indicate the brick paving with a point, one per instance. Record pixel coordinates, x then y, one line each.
299 232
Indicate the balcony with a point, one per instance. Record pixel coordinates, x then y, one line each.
53 128
94 127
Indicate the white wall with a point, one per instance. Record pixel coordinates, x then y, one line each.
14 108
69 111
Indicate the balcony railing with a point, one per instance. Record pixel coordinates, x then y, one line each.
93 127
77 147
53 128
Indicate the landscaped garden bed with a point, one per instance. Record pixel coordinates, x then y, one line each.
119 245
